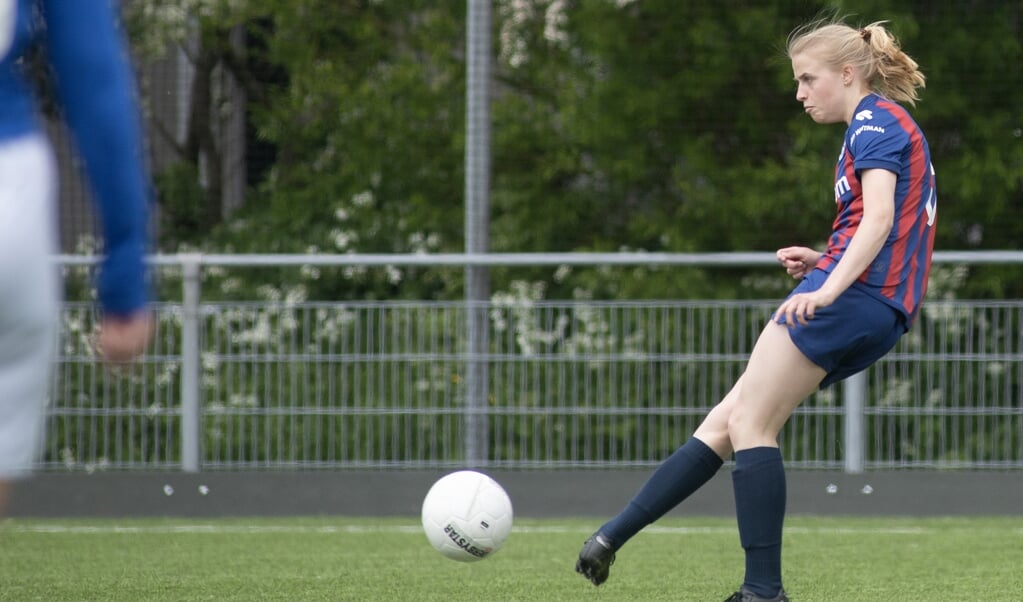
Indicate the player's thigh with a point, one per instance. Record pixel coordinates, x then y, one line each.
29 298
777 379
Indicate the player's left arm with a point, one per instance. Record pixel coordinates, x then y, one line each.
874 228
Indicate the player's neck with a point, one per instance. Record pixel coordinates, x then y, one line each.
854 100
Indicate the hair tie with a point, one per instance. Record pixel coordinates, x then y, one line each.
865 34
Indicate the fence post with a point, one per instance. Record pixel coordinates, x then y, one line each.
855 392
190 362
477 224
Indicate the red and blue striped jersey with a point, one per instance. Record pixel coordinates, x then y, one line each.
882 135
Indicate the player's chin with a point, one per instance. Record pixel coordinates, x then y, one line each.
824 119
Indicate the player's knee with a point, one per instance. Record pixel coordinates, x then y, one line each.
738 423
746 427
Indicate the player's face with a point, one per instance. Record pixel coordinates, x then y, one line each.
819 89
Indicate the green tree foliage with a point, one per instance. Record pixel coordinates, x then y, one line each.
653 125
202 29
657 148
369 135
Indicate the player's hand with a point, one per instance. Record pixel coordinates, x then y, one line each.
123 339
801 308
798 261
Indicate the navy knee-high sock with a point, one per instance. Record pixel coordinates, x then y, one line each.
675 479
759 484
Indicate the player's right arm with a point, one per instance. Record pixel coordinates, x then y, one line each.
798 261
97 92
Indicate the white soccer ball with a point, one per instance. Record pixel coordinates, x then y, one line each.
467 516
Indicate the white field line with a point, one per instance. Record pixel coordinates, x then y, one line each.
334 529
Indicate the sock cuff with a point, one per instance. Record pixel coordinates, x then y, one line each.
757 455
704 453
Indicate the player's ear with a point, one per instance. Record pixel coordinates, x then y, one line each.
848 75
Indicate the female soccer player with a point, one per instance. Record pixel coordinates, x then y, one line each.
853 303
96 93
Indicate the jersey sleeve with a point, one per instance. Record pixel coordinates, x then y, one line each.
96 89
878 144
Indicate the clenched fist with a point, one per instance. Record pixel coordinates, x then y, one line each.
123 339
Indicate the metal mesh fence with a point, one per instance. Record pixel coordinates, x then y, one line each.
102 418
570 385
949 395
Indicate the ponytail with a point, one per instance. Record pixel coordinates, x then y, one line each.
892 72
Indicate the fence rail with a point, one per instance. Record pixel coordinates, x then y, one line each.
569 384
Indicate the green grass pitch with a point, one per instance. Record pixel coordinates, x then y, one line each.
340 558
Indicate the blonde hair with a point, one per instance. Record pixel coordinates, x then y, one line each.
872 50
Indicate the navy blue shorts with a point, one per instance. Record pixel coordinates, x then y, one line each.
849 335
